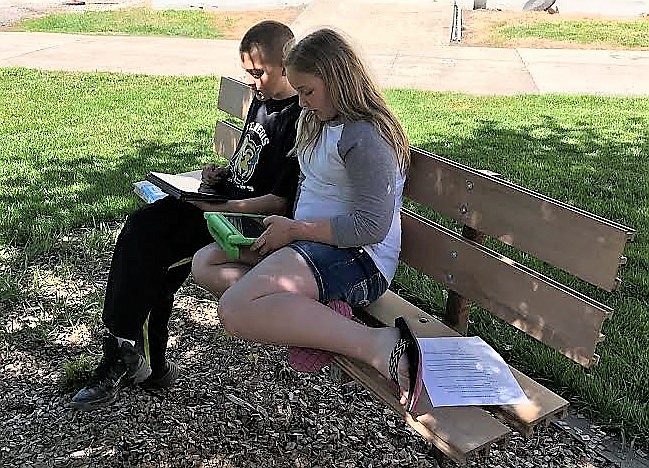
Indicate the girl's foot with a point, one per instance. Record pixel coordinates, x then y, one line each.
390 342
401 363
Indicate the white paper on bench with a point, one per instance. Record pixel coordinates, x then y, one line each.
462 371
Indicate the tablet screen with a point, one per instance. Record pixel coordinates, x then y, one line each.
249 226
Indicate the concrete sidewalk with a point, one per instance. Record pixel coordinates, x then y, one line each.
405 42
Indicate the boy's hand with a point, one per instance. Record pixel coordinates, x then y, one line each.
213 174
278 233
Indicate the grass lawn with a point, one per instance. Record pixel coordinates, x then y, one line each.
626 34
147 22
74 143
538 29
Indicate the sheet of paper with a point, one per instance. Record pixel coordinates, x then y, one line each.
462 371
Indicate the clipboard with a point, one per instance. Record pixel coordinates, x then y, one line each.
233 230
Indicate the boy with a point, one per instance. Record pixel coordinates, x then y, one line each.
140 283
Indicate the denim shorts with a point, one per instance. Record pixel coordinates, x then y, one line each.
348 274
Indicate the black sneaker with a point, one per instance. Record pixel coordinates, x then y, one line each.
119 367
164 379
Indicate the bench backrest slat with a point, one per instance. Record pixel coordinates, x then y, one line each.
226 137
544 309
234 97
555 232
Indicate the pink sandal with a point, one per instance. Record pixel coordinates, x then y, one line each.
312 360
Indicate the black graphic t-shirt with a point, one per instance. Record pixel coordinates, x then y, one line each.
260 164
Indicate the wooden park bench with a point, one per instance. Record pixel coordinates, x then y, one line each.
581 244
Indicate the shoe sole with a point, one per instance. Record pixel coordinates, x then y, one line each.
166 380
92 405
142 372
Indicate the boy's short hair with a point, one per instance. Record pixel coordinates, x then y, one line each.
270 38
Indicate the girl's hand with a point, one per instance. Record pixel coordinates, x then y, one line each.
278 233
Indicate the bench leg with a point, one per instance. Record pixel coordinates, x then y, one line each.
457 307
442 460
338 375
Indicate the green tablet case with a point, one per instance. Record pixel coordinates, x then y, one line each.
226 235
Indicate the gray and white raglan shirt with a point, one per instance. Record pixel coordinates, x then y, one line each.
351 176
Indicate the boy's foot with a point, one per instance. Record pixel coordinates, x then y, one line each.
163 379
119 367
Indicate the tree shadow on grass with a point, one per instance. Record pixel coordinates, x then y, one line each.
68 193
602 173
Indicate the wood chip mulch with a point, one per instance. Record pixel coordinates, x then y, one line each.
237 404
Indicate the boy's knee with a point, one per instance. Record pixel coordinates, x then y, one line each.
204 261
227 312
142 223
199 266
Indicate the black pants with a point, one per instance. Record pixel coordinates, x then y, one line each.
140 283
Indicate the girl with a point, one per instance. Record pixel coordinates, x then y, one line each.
344 240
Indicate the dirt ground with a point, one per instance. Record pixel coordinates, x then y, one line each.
236 403
233 23
478 27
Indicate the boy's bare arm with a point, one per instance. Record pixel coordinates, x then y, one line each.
266 204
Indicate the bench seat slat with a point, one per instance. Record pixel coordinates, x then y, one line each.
544 404
459 433
550 230
558 316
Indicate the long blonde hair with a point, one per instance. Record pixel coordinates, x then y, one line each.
327 55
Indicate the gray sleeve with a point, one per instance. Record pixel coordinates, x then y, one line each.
371 168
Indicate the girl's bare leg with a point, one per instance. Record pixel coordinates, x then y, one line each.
277 303
212 269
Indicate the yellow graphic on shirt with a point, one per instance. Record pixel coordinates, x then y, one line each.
245 160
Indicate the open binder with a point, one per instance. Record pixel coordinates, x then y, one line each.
185 186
